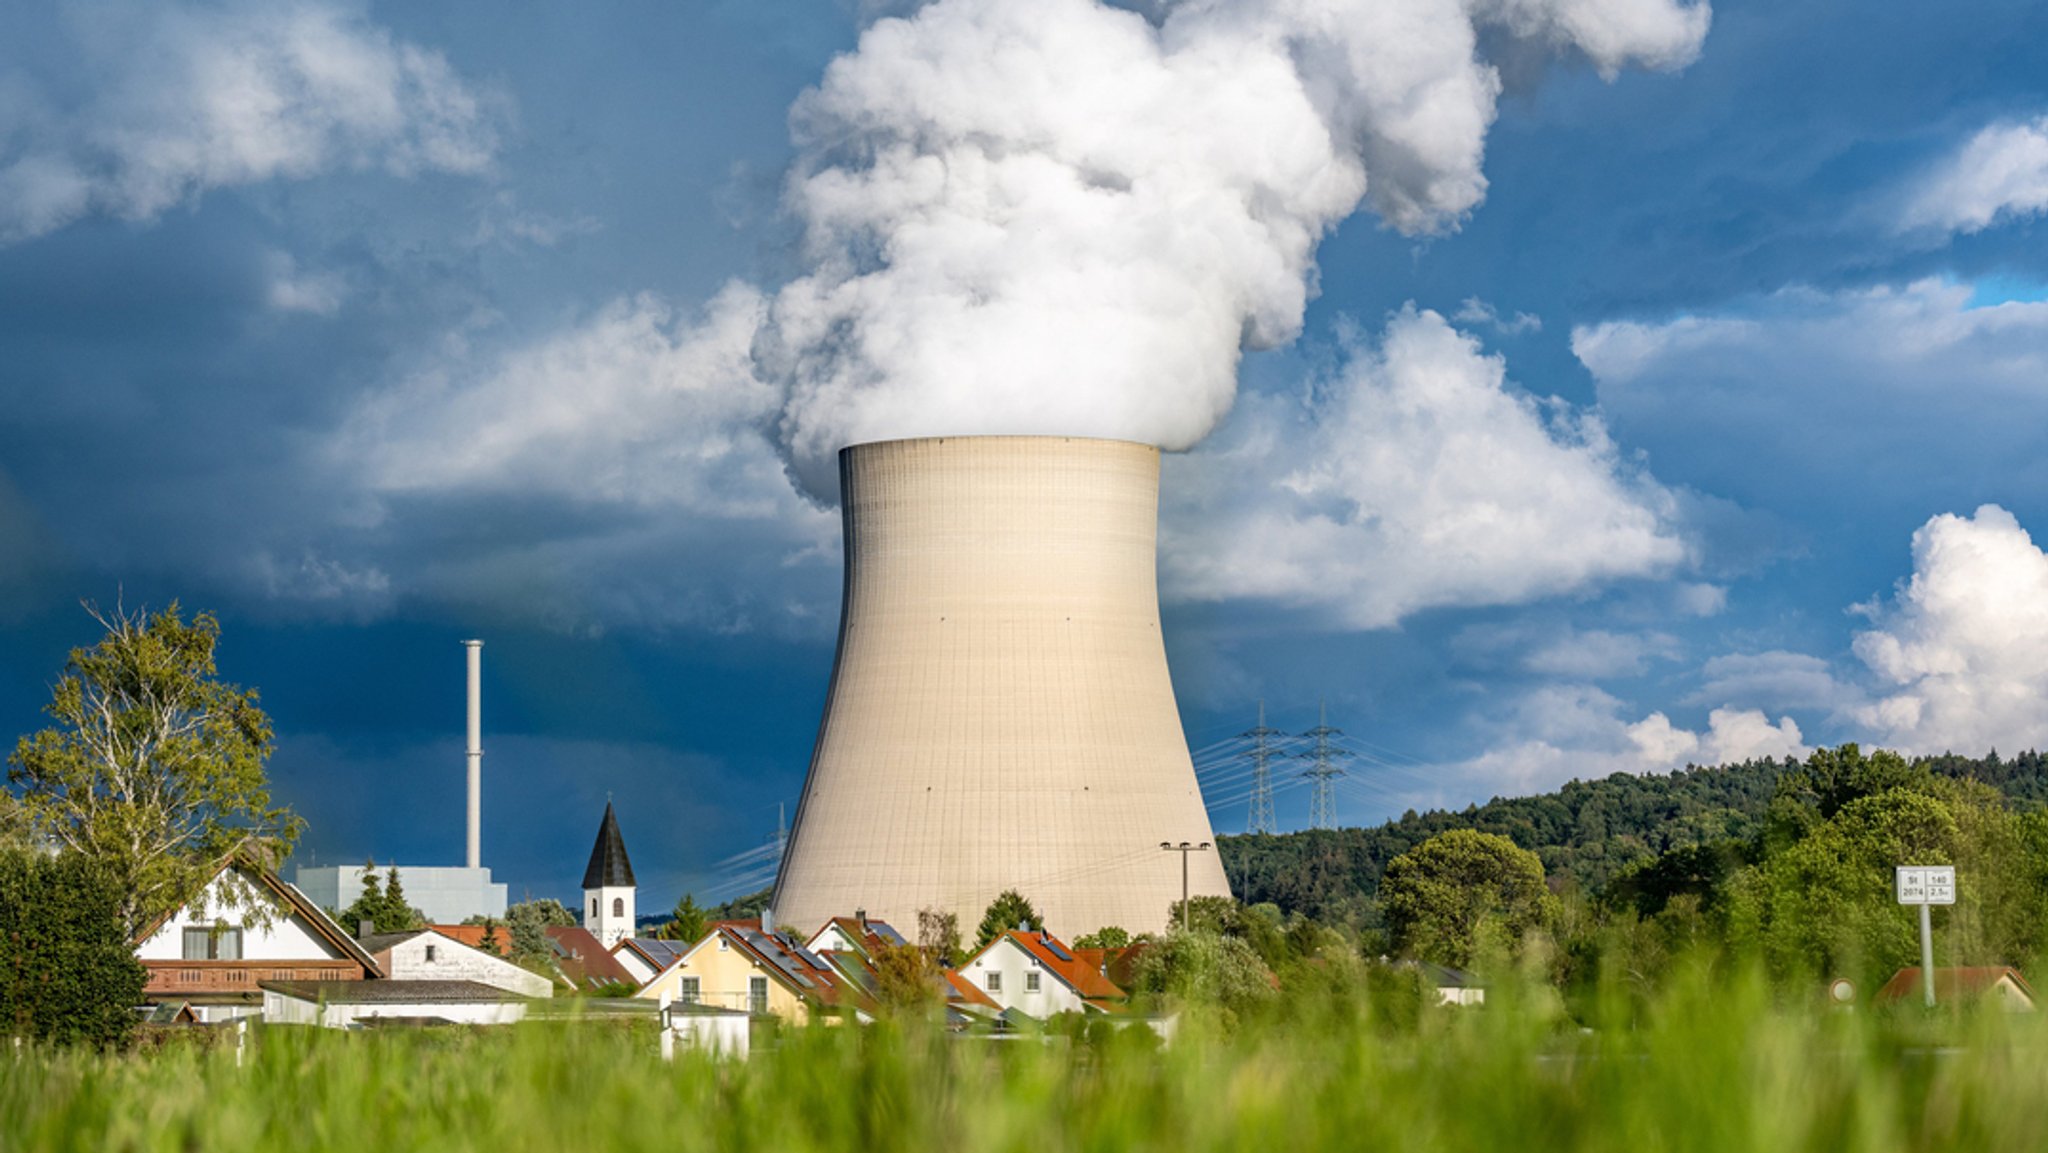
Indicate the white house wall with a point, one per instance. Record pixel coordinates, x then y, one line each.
454 961
288 937
1053 997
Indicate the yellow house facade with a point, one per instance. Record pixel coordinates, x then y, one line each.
738 967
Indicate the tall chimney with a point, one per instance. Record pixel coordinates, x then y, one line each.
1000 715
476 752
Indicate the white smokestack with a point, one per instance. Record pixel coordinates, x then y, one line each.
476 752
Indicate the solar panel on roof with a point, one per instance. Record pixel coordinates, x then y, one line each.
1053 947
887 933
809 957
773 951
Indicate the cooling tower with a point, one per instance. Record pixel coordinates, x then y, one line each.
1000 715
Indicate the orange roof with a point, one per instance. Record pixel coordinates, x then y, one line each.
1953 983
473 936
1082 977
960 988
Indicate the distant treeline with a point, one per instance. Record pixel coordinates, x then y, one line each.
1587 833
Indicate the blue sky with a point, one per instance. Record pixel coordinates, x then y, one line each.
1557 388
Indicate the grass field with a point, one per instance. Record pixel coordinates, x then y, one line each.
1715 1066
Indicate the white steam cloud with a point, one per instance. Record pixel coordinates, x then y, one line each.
1060 217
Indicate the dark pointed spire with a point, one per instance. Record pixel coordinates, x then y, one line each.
609 867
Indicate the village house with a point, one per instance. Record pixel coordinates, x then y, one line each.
1035 974
1962 984
247 926
850 945
646 957
855 934
427 955
341 1004
737 966
575 957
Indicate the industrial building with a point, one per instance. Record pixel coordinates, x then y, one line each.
447 894
1000 714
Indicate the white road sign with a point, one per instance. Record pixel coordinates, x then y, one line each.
1927 884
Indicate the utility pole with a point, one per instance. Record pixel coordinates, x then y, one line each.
1184 848
1322 812
1261 752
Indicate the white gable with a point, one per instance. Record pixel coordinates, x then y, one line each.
831 938
289 935
429 956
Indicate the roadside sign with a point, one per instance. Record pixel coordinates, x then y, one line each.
1927 884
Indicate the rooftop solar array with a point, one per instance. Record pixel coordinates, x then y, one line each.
1053 947
773 951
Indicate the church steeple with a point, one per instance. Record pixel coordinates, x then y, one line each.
608 884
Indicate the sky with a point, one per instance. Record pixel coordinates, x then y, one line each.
1552 388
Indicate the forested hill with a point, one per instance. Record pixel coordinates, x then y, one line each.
1588 830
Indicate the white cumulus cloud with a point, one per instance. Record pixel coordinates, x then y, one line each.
2000 174
635 436
1564 732
182 98
1423 481
1961 652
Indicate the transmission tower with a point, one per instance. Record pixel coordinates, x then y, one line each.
1261 752
1322 811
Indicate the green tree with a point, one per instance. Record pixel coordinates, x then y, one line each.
938 934
154 769
687 923
1824 905
383 905
1009 910
1463 893
1107 937
1204 968
907 979
68 973
530 920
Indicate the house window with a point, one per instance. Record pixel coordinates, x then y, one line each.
693 990
757 994
995 982
618 906
722 946
593 908
1031 982
430 954
213 944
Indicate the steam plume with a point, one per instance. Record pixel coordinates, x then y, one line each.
1056 216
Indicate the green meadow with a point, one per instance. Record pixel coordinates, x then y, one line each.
1716 1064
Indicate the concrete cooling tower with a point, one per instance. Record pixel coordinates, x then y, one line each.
1000 715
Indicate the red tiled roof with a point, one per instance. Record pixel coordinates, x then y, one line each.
585 960
1082 977
473 936
960 988
1952 983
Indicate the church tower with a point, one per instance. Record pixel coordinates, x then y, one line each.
608 885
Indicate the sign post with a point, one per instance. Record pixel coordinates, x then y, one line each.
1927 886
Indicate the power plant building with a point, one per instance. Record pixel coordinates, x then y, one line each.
1001 715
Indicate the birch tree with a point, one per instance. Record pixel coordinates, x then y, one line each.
155 767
